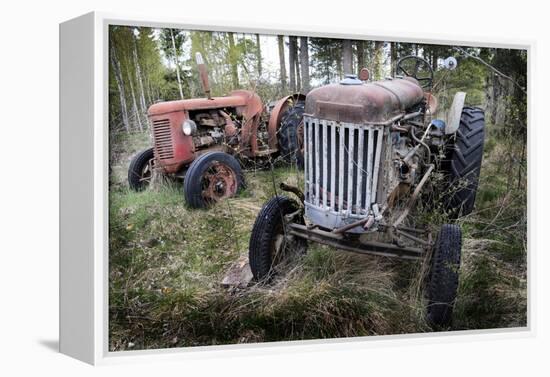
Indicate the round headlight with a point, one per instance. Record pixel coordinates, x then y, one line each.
188 127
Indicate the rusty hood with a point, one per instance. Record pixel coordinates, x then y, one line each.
237 98
375 102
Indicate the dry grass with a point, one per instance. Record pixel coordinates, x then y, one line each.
167 262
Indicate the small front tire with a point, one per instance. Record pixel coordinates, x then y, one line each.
443 278
270 243
140 170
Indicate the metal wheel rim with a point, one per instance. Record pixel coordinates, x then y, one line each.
219 182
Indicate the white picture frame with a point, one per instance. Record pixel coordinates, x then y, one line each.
84 193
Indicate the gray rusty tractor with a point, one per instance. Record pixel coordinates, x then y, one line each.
371 150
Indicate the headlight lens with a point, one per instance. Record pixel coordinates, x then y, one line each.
188 127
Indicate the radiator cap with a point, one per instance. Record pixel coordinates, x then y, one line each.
350 79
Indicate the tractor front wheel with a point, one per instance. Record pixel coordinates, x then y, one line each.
443 277
270 244
140 170
212 177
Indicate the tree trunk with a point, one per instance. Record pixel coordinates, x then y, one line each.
434 59
360 56
393 53
304 64
176 61
258 55
378 46
233 61
135 108
282 64
292 58
139 76
298 76
120 84
149 90
339 68
347 57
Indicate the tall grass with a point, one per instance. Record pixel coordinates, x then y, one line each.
166 263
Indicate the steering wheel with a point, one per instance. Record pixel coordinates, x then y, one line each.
417 68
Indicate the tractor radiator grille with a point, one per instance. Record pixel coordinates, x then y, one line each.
342 165
162 135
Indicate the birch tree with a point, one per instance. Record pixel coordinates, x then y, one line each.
135 109
115 64
258 55
139 77
176 61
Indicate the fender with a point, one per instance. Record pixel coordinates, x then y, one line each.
455 112
275 117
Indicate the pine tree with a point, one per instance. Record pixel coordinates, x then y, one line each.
347 56
282 64
292 58
304 64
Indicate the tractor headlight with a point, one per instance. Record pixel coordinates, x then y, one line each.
189 127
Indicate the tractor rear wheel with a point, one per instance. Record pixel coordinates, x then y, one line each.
290 134
140 170
270 244
443 277
464 162
212 177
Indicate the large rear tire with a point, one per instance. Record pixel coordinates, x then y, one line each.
289 134
443 277
464 162
140 170
212 177
270 243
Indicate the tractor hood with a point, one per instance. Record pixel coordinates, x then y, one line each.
237 98
355 102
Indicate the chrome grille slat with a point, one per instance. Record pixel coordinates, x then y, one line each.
325 159
317 154
370 148
310 150
380 135
332 166
359 186
306 158
342 168
351 165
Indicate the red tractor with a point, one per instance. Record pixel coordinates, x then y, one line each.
202 140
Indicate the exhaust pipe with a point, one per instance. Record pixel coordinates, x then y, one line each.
203 73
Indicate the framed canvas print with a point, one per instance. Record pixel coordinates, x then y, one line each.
226 188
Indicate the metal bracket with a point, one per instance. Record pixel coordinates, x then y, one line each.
455 112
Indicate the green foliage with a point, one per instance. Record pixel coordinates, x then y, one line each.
469 77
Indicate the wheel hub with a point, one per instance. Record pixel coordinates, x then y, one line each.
219 182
